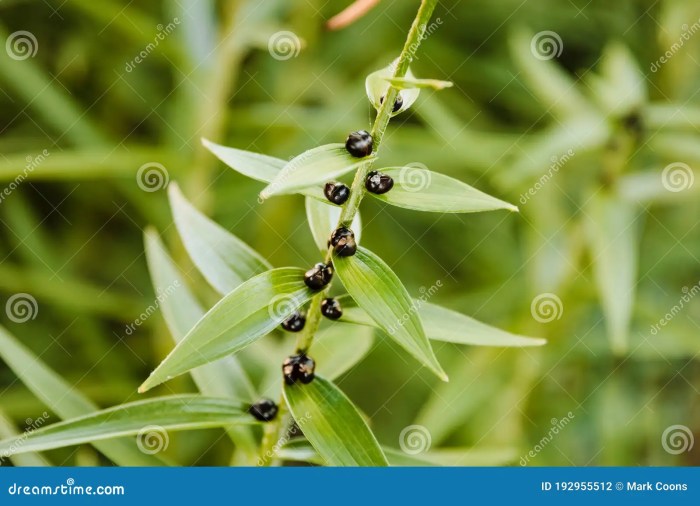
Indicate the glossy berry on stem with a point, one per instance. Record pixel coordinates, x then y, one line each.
318 276
337 193
330 308
343 242
359 144
398 103
264 410
298 368
294 323
378 183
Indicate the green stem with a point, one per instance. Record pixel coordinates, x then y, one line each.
357 193
413 40
272 434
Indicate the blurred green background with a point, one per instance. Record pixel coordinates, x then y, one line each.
71 232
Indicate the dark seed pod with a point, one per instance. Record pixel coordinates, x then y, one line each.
330 308
298 368
378 183
398 103
318 276
343 242
264 410
359 144
337 193
295 322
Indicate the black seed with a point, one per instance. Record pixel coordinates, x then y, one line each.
398 103
337 193
359 144
318 276
264 410
294 323
298 368
343 242
330 308
378 183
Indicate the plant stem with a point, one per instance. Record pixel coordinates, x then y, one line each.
357 193
413 40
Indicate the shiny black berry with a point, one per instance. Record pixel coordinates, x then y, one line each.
318 276
294 323
298 368
398 103
337 193
343 242
359 144
264 410
330 308
378 183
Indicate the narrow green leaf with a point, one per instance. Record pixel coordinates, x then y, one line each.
377 290
406 83
613 240
256 166
442 324
149 417
333 425
64 399
377 84
318 165
323 218
416 187
490 456
249 312
223 259
253 165
181 311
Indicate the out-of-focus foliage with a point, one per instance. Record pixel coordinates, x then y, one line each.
602 242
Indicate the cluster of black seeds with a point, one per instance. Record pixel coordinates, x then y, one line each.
298 368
